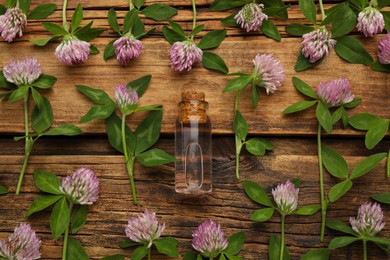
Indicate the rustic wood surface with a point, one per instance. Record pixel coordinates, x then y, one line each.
294 155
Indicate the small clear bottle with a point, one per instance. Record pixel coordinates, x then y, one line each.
193 147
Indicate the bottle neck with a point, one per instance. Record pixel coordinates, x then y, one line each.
192 111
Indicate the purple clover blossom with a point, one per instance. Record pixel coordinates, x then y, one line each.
126 98
317 44
127 48
72 51
185 54
209 239
268 72
286 197
12 24
369 220
23 72
144 228
22 244
370 21
251 17
384 50
82 187
335 93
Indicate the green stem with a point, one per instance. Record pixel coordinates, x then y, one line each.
149 255
364 249
131 5
64 21
27 145
66 236
17 4
129 162
323 15
388 164
323 202
194 17
282 239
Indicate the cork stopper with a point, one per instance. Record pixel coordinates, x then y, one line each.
193 107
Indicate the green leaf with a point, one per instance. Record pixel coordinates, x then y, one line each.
240 126
189 256
112 20
324 117
96 95
303 63
59 218
238 83
167 246
127 244
297 29
334 163
340 226
149 108
363 121
66 129
337 115
79 218
159 12
257 193
148 131
177 28
114 132
44 41
140 85
359 4
317 254
155 157
299 106
41 119
94 50
171 36
18 94
338 242
42 11
308 9
222 5
3 10
133 23
77 17
90 35
367 164
383 3
54 28
338 190
76 250
139 253
24 5
354 103
343 20
351 50
255 95
382 197
42 202
197 30
305 89
38 100
114 257
3 190
47 182
274 249
229 20
235 243
139 3
308 210
45 81
376 133
212 39
213 61
379 240
277 11
257 146
10 3
4 84
262 215
269 29
98 112
380 67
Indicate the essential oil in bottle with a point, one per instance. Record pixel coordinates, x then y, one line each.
193 147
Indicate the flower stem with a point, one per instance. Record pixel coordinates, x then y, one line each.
17 4
282 239
323 15
149 255
65 246
194 17
131 5
364 249
128 161
64 21
323 202
27 146
388 164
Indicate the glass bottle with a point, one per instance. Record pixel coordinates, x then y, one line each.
193 147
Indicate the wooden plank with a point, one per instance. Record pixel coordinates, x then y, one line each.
182 213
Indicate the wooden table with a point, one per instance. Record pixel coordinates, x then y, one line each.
294 138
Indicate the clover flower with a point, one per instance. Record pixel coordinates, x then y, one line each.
251 17
126 98
23 244
286 197
335 93
317 44
72 51
127 48
82 187
144 228
369 220
184 54
268 72
12 24
370 21
384 50
209 239
23 72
